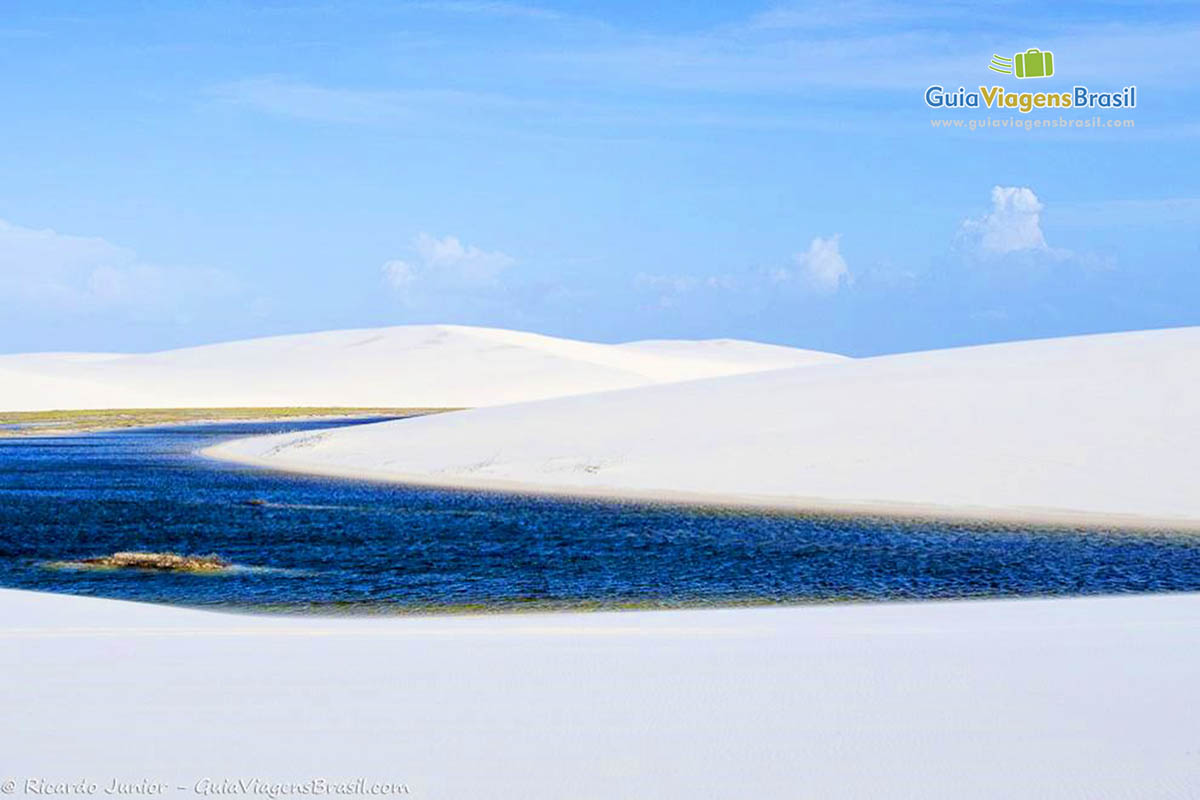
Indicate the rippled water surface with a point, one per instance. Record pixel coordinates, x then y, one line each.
323 544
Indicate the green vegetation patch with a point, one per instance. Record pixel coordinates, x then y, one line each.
42 423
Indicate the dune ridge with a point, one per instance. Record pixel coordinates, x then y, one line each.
1092 429
431 366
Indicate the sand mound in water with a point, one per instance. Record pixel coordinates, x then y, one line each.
162 562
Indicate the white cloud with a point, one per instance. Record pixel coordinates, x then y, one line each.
276 95
487 8
1013 225
41 269
446 265
679 284
670 288
822 265
279 95
820 269
467 262
400 274
891 46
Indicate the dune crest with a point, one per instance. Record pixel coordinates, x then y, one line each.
1097 429
432 366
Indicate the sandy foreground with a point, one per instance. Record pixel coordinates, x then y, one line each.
1090 697
1100 430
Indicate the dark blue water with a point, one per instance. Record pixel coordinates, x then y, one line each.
324 544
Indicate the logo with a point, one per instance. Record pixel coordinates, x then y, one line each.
1033 63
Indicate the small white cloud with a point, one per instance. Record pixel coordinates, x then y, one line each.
275 95
400 274
1013 225
488 8
820 269
282 96
822 265
466 262
446 264
673 284
670 288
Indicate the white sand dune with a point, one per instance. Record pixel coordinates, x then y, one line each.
739 355
1089 697
1095 428
406 366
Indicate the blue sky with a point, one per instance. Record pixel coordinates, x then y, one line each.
177 174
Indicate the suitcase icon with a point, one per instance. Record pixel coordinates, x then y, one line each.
1034 63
